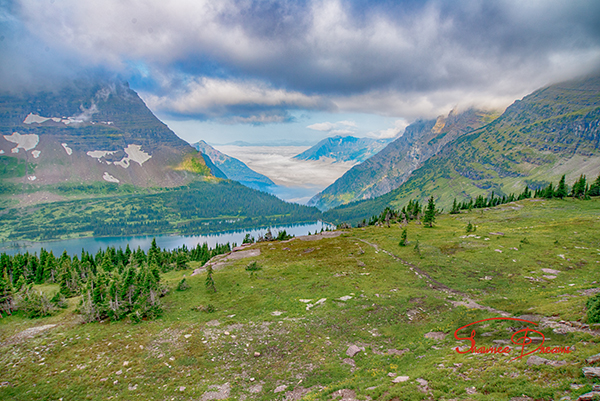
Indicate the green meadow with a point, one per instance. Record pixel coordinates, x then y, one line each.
283 331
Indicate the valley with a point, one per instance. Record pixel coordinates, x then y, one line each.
348 313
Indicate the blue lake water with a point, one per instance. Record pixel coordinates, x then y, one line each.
92 245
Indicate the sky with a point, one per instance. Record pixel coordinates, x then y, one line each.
298 71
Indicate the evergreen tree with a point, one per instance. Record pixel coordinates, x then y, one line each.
429 217
595 187
210 283
549 192
561 189
455 208
580 188
403 238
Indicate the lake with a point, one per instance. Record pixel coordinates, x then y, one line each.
92 245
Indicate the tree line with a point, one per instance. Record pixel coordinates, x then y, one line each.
113 283
580 189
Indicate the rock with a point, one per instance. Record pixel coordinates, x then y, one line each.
361 263
346 394
213 323
256 354
549 277
353 350
257 388
182 388
423 385
593 359
218 393
436 335
349 362
531 318
536 360
591 373
401 379
132 388
345 298
551 271
277 313
592 395
471 390
393 351
280 389
522 398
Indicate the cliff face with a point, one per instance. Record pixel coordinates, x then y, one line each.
551 132
87 132
392 166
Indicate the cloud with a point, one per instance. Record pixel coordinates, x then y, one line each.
393 132
236 100
326 126
339 128
403 59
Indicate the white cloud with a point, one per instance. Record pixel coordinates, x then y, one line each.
342 132
393 132
214 97
326 126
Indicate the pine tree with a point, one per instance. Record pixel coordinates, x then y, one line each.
455 208
210 283
595 187
561 190
429 217
549 192
403 238
579 188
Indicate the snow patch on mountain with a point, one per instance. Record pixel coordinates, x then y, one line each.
26 142
109 178
67 149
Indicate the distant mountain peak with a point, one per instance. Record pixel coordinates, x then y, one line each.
344 149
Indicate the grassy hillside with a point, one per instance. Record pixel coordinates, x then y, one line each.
264 342
393 165
552 132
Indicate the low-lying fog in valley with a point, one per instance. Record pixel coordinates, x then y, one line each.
297 180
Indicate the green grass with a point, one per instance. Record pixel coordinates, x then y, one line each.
391 308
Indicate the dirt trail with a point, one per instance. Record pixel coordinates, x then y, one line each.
558 326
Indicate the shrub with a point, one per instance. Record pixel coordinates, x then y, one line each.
593 309
183 285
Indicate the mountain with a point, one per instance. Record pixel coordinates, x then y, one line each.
91 131
344 149
392 166
551 132
233 168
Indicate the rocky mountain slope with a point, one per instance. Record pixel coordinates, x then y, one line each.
344 149
233 168
392 166
553 131
90 131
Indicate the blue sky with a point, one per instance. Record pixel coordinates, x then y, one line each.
268 70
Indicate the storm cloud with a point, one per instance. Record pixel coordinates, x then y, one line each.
254 61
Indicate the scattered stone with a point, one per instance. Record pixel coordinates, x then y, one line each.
126 363
401 379
279 389
549 277
118 372
531 318
257 388
353 350
471 390
497 233
593 359
213 323
132 388
423 385
592 395
498 250
436 335
277 313
305 300
4 384
256 354
182 388
551 271
218 393
361 263
296 394
393 351
345 298
535 360
349 362
187 335
591 373
346 394
522 398
501 342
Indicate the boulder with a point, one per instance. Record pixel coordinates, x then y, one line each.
591 373
353 350
436 335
